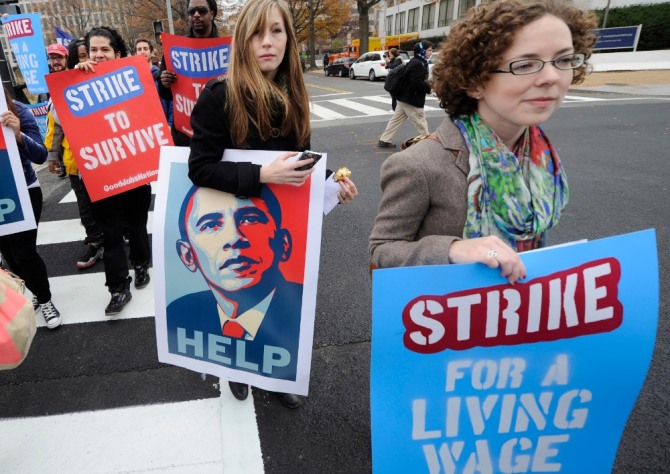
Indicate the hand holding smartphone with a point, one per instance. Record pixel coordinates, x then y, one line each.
308 154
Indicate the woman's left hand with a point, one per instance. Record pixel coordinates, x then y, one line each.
347 192
12 121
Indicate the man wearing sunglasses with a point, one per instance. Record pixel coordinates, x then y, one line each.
201 14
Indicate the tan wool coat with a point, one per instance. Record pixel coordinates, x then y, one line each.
424 202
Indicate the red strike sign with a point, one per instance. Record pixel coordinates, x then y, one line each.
195 61
114 123
574 302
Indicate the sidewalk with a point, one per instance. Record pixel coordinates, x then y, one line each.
649 83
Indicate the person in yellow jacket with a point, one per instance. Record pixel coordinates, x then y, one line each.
58 145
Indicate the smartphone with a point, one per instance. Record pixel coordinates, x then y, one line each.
308 154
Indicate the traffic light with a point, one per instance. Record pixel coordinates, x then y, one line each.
158 31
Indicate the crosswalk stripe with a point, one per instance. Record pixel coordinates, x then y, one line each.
205 436
366 109
68 230
324 113
82 299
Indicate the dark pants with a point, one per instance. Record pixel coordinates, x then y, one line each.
20 253
129 208
93 229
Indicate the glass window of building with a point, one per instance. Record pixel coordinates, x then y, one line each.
464 6
446 13
428 21
413 20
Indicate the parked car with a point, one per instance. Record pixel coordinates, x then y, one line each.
339 67
373 65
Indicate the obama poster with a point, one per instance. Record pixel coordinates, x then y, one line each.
237 276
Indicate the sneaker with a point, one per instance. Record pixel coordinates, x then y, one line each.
142 277
126 239
51 315
62 174
118 301
382 144
90 257
37 307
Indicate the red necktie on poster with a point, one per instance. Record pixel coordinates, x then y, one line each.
233 329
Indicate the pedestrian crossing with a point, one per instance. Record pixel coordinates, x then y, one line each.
205 435
323 110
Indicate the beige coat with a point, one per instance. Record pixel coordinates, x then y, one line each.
424 202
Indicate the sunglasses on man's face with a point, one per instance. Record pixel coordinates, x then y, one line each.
200 10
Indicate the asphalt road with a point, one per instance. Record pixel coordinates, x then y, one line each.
615 153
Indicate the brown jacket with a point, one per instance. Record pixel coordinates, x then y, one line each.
424 202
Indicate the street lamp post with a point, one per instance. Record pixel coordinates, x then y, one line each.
169 16
312 62
607 10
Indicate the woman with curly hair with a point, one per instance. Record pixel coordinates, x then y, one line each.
488 183
124 212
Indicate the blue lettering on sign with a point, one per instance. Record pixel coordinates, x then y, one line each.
201 62
102 92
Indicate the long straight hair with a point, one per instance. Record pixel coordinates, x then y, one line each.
251 94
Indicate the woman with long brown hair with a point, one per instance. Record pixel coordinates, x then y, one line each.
262 104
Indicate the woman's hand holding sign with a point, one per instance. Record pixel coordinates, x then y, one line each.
10 120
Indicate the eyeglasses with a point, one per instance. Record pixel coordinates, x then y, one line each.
531 66
201 10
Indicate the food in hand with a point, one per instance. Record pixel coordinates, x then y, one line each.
342 173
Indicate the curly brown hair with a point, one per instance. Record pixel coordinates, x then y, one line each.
475 46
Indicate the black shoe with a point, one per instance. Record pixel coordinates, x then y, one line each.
291 400
62 174
382 144
142 277
90 257
239 390
118 301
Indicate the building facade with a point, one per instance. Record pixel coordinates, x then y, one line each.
435 17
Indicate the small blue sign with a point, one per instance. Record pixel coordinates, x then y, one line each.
40 111
25 38
624 37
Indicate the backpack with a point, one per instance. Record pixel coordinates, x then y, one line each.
394 79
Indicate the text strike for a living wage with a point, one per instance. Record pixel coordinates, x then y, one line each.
114 123
473 375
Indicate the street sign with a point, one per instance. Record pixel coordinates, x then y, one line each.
624 37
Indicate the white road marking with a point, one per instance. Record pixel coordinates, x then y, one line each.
69 230
365 109
82 299
206 436
324 113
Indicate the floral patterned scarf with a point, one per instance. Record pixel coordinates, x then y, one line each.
517 195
